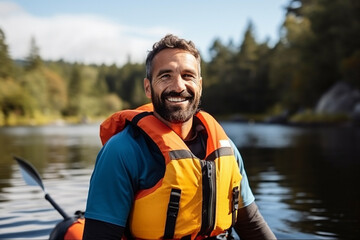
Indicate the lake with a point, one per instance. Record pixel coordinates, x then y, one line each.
305 180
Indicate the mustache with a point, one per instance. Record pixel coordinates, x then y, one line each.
184 94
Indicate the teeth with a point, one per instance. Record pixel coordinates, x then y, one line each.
175 99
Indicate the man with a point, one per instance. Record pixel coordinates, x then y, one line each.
168 170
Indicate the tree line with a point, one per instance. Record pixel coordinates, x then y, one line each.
319 44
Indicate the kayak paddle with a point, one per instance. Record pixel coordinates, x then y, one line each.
32 178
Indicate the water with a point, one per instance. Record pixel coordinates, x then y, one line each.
305 180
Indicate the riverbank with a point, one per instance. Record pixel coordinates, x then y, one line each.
306 119
41 120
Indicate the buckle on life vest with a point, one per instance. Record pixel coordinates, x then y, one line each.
172 213
221 236
235 203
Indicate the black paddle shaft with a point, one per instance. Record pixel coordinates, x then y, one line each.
56 206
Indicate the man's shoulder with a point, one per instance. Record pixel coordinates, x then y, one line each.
127 138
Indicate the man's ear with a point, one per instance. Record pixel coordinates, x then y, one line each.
147 87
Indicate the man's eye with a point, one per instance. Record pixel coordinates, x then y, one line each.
165 76
188 76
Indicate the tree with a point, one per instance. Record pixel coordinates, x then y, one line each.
101 84
6 64
75 92
287 70
217 70
238 76
130 82
329 51
248 54
13 101
57 92
215 75
33 60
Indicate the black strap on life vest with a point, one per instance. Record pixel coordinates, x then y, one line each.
172 213
134 122
235 203
138 117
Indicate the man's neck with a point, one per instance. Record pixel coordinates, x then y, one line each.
184 129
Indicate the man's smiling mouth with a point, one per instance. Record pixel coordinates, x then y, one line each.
176 99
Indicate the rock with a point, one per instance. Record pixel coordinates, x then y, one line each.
340 99
282 118
356 113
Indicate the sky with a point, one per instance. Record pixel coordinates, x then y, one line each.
115 31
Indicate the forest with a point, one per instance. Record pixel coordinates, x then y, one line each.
319 45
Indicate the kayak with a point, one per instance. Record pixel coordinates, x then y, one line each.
69 229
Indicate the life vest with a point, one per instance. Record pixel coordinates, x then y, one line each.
196 198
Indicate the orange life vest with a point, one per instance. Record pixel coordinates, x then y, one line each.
196 197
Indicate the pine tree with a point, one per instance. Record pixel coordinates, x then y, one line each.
33 60
6 64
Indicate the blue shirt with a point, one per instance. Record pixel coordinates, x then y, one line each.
127 164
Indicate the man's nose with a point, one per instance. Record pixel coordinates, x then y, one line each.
179 84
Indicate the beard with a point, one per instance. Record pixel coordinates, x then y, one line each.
175 114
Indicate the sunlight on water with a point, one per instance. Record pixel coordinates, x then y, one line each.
29 215
271 197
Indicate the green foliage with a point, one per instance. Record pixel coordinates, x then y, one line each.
309 117
324 37
33 60
56 89
238 77
287 71
319 45
35 84
130 84
110 103
13 101
6 64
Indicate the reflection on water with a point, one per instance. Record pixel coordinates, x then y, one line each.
305 180
261 135
64 156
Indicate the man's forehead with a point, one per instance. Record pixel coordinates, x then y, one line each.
168 57
173 52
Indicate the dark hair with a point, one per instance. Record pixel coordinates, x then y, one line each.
170 41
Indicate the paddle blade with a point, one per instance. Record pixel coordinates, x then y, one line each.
29 173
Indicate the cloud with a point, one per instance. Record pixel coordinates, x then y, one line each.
83 38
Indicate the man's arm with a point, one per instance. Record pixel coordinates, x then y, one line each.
95 229
250 224
111 189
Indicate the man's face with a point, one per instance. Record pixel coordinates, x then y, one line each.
175 89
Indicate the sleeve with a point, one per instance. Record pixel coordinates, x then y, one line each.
95 230
246 195
251 225
113 182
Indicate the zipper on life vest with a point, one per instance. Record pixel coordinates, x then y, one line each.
209 197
